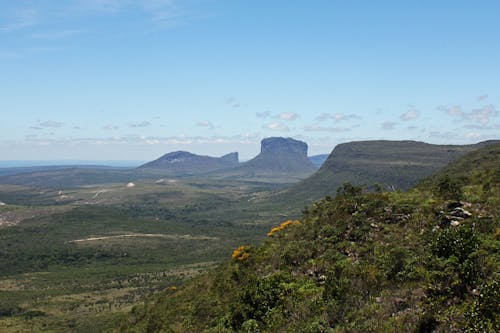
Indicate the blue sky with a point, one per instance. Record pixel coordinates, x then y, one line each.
132 80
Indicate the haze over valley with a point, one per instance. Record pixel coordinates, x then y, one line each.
235 166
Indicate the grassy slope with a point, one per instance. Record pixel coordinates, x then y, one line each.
397 164
379 262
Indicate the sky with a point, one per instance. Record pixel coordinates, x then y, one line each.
133 80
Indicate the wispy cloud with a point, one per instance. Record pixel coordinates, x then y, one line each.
337 116
480 116
459 136
110 127
206 124
315 128
265 114
21 19
410 114
231 101
51 124
289 116
284 116
452 110
276 126
143 140
140 124
483 115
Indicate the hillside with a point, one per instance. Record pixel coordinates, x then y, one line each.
391 164
415 261
185 163
278 158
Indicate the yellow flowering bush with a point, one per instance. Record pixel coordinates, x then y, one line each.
281 227
241 253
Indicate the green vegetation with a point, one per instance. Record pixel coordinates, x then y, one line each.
389 165
79 258
415 261
76 259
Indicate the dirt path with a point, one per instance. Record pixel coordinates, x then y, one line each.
187 237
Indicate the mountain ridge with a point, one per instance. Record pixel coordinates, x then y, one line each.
186 163
391 164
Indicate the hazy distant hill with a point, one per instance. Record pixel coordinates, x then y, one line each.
73 176
185 163
284 158
393 164
318 160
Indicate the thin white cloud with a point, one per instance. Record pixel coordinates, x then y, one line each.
22 19
205 123
481 116
50 124
483 127
265 114
452 110
288 116
410 114
448 136
276 126
315 128
231 101
337 117
140 124
143 140
110 127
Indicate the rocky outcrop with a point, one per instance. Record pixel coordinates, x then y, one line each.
279 157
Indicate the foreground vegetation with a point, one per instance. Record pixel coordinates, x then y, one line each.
418 261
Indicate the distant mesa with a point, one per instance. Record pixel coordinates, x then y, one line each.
391 164
279 157
185 163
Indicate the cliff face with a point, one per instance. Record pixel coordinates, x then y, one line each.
185 163
281 157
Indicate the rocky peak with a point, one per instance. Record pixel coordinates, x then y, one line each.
283 145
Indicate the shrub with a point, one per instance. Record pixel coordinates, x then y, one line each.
449 188
484 313
242 253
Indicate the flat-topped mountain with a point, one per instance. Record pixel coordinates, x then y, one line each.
392 164
185 163
278 157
